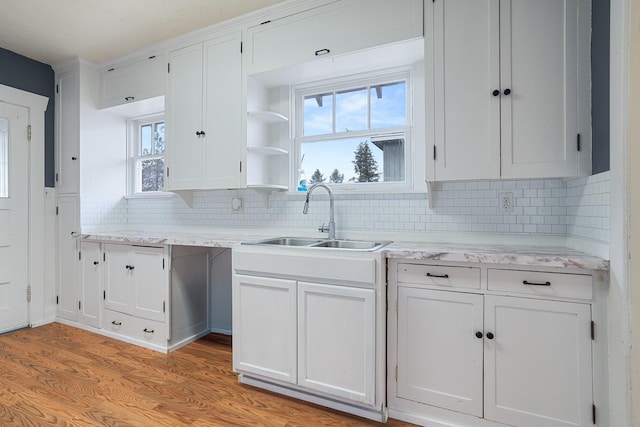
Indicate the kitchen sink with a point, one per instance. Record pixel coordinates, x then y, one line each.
287 241
357 245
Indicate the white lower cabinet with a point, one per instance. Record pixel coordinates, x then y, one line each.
310 324
477 359
90 285
264 327
136 289
336 340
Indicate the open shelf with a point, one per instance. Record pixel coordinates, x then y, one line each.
268 116
268 151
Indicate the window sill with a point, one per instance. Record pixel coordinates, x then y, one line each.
151 195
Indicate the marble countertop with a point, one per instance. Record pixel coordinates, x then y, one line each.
522 255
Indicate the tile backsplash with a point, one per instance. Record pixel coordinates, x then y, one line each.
576 207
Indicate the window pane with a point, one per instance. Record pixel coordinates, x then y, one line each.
351 110
318 114
145 140
152 175
388 105
354 160
4 157
159 138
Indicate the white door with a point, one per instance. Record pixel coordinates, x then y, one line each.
117 278
336 340
149 282
539 68
90 284
184 157
67 257
14 210
440 346
538 362
264 327
462 51
223 111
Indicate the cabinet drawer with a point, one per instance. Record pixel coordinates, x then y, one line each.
135 328
439 275
541 283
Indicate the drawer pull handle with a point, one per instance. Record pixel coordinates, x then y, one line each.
442 276
524 282
113 322
322 52
149 331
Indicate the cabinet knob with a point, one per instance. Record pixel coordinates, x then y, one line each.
95 262
74 158
507 91
200 133
478 334
129 267
489 335
495 92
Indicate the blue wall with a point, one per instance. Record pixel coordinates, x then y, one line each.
32 76
600 85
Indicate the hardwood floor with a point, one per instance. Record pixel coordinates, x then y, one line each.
57 375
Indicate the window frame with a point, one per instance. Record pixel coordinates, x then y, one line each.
134 125
335 85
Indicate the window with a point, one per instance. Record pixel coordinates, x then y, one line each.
354 134
147 158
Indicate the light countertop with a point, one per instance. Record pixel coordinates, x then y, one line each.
511 254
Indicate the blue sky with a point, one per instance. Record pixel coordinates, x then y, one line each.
351 114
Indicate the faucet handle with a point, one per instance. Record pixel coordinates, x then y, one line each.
323 228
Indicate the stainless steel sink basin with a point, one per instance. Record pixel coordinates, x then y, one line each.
357 245
351 244
287 241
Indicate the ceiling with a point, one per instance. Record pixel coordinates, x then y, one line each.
53 31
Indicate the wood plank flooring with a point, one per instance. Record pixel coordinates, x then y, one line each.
57 375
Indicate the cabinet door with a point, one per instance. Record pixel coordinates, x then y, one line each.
149 282
67 286
134 82
463 115
336 340
185 152
331 30
68 133
90 284
223 112
264 327
117 278
439 355
539 65
538 365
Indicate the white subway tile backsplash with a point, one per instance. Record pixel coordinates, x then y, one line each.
576 207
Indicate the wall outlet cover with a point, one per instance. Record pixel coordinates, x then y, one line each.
505 202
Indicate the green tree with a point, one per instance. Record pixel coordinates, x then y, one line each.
317 176
336 177
365 166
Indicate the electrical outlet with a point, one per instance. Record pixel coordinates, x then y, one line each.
237 205
506 202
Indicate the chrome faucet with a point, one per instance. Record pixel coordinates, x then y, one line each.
332 224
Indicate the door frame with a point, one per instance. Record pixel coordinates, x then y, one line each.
37 105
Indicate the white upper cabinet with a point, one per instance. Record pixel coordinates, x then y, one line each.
68 132
505 88
204 116
133 82
332 29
